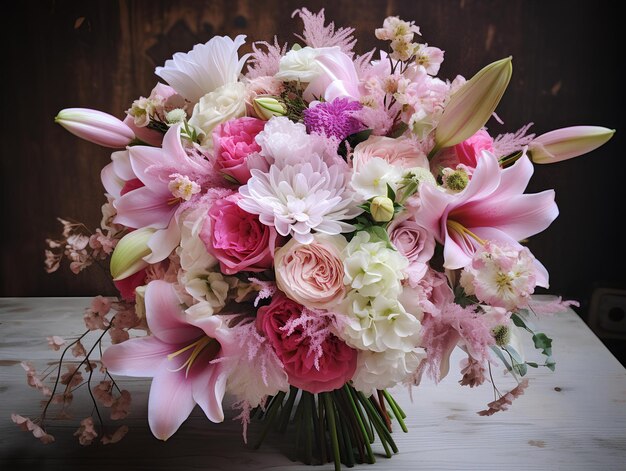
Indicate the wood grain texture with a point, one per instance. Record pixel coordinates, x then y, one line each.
101 54
573 419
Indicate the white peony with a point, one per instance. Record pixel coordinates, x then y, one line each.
378 324
381 370
299 65
223 104
372 268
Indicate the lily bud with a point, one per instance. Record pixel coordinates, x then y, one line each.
381 209
96 126
266 107
127 258
471 106
566 143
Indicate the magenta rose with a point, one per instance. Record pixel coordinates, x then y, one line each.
468 151
233 142
335 366
238 239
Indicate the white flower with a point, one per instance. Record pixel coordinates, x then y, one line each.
205 68
193 254
300 198
210 290
373 177
372 268
378 324
381 370
299 65
225 103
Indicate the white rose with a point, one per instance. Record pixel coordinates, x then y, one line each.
299 65
381 370
372 268
224 103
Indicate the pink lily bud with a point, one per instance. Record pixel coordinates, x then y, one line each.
96 126
566 143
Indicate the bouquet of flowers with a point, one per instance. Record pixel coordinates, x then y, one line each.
304 236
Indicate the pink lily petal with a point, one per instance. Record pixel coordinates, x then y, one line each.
167 319
170 402
149 136
144 208
141 159
208 389
141 357
122 166
111 182
514 179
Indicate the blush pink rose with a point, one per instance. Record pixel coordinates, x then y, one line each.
412 240
233 142
312 274
238 240
335 367
468 152
398 152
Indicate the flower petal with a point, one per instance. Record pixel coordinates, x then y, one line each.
208 391
144 208
163 242
165 316
170 402
141 357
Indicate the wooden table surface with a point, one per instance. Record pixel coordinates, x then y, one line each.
573 419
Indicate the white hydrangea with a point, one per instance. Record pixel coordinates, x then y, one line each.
378 324
372 268
373 177
381 370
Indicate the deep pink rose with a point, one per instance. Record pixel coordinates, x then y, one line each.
469 150
233 142
238 239
336 365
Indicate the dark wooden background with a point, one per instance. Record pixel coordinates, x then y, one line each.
101 54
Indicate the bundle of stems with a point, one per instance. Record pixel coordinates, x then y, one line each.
337 426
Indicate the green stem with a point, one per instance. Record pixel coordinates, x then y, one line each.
391 400
330 415
354 397
347 443
285 414
321 430
307 415
269 417
359 419
396 412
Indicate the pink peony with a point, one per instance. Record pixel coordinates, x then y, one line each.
469 151
315 359
312 274
398 152
237 238
233 142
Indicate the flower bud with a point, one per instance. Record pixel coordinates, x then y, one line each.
381 209
267 107
96 126
566 143
127 258
471 106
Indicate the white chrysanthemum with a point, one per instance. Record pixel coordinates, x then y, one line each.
372 268
300 198
204 68
381 370
373 177
378 324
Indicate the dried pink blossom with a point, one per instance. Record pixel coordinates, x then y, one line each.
33 379
505 401
86 432
55 342
102 393
551 306
72 378
118 335
95 315
116 437
101 305
121 406
473 372
27 425
78 350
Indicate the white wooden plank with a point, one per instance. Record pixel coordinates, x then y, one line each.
573 419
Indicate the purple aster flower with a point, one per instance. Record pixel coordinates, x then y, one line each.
334 118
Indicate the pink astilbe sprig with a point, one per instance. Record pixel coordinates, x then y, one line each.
510 142
316 34
452 326
265 63
549 307
266 289
506 400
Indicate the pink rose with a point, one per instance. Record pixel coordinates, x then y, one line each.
237 238
312 274
398 152
233 142
412 240
470 150
306 370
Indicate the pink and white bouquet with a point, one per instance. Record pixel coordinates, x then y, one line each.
306 234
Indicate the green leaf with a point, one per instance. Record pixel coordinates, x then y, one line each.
390 193
518 321
550 363
378 233
500 355
532 364
353 140
543 343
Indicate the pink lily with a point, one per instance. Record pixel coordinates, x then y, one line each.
492 206
339 78
179 357
96 126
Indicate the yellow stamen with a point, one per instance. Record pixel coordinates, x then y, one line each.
198 346
172 201
463 231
